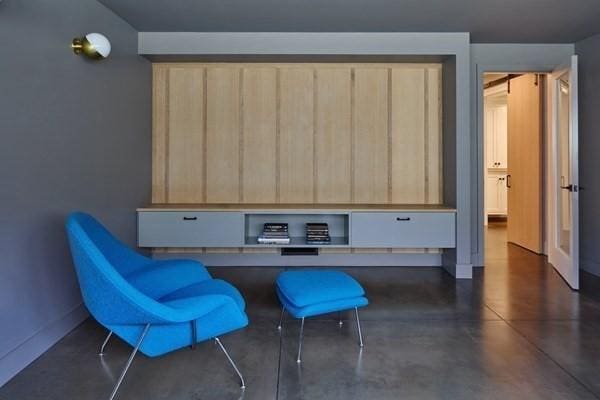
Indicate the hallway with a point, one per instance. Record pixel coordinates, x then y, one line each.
515 331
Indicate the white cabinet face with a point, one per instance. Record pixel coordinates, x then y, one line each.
502 196
491 194
496 136
489 137
501 136
496 194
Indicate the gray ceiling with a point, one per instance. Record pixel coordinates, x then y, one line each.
526 21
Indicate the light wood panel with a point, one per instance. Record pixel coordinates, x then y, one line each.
259 165
296 135
433 152
275 133
408 135
185 171
160 126
370 142
223 135
525 163
333 136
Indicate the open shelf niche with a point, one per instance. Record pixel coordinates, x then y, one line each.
338 222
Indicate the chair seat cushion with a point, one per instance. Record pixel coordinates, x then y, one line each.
160 278
210 286
315 292
322 308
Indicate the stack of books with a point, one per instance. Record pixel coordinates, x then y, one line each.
274 233
317 233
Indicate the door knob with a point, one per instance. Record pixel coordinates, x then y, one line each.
570 188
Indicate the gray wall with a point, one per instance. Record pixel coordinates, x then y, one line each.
75 135
589 144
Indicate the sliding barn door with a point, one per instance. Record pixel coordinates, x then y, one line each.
524 180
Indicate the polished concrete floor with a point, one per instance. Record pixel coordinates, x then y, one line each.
516 331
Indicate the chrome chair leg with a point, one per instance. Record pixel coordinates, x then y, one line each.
281 318
231 362
128 364
101 353
341 323
358 326
299 360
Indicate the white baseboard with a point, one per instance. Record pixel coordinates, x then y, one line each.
34 346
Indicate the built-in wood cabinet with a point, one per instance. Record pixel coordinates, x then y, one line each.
359 227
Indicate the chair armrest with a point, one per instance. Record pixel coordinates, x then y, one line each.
148 311
191 308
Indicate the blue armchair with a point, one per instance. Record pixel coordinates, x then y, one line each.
155 306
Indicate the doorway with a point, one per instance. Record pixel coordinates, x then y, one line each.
541 172
513 160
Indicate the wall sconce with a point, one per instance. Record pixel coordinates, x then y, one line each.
93 45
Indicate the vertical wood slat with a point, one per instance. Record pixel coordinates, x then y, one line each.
408 136
433 161
185 138
333 136
223 135
259 135
160 110
296 141
371 136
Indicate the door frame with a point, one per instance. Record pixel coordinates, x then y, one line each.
478 256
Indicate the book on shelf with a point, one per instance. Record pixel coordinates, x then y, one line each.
277 227
317 233
271 240
274 233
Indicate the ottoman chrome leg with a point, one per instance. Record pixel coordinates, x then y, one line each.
340 319
105 343
299 360
243 383
358 326
281 318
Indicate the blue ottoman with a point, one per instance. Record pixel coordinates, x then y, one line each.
306 293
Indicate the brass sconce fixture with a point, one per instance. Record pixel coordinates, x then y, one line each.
92 45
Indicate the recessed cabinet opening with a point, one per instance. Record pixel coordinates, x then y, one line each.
338 226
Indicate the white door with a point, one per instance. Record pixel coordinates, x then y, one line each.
564 186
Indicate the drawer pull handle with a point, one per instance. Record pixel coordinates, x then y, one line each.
190 218
402 219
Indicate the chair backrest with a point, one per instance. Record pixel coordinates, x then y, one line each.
106 293
124 259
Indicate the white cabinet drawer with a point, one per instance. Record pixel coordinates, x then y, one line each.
404 229
189 229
